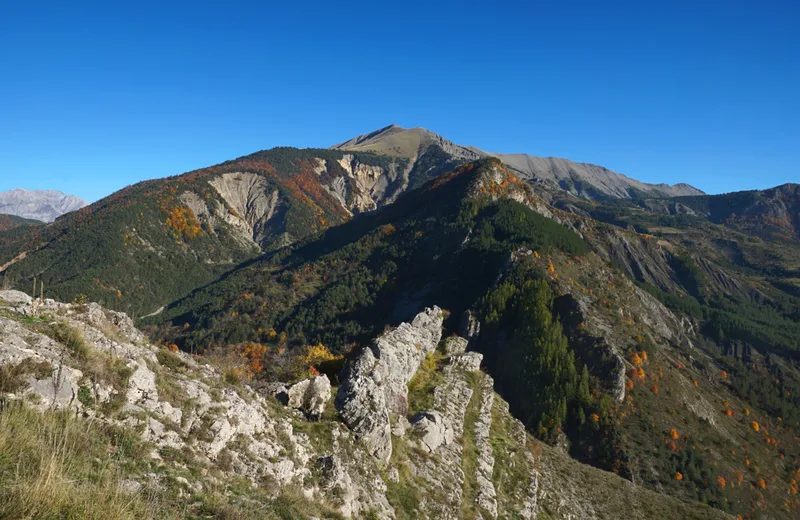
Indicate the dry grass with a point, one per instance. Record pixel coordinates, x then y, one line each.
422 385
54 466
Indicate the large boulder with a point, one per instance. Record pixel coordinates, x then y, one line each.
434 430
310 395
15 297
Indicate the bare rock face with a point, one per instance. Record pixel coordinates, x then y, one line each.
468 362
455 345
310 395
361 402
375 384
251 204
470 326
369 186
487 496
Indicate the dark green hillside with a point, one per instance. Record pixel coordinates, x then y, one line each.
443 244
144 246
772 214
12 229
8 222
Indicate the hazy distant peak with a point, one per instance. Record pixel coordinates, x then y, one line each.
44 205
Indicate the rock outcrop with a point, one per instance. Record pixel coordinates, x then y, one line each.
310 395
369 186
375 384
251 203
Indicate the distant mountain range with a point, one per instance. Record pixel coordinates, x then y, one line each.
42 205
580 179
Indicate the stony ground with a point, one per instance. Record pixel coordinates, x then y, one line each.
368 453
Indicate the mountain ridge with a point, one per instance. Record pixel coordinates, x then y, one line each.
581 179
42 205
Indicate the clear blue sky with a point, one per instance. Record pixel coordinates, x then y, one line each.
96 96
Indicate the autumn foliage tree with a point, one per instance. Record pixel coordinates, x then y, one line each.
183 222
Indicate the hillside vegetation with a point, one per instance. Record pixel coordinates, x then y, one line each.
154 242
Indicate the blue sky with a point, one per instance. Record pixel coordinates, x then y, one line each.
96 96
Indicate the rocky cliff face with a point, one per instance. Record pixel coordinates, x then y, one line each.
463 456
43 205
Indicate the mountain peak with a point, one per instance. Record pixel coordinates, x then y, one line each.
581 179
43 205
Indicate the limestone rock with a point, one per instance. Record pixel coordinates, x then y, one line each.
142 389
487 496
375 384
470 326
338 481
455 345
440 429
361 402
60 390
469 362
310 395
400 426
619 378
433 430
15 297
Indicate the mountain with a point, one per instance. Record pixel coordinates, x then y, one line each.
588 180
425 155
580 179
155 241
649 347
150 244
645 340
43 205
773 213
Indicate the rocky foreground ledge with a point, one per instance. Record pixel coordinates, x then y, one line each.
415 429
